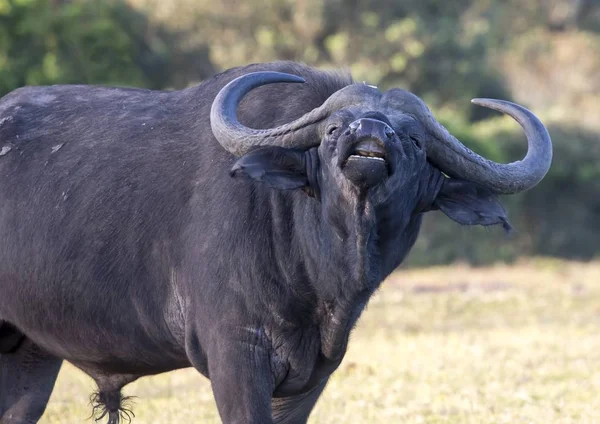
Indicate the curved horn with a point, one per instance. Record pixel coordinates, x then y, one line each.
301 133
456 160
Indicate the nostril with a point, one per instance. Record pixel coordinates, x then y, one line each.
389 132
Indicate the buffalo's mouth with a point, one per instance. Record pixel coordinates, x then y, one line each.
369 149
367 162
365 151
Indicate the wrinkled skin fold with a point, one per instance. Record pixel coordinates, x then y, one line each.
238 227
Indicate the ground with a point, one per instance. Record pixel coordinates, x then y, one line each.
503 344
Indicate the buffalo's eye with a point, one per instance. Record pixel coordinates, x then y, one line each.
331 129
389 132
416 142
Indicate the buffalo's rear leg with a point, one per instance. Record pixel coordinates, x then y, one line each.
296 409
27 377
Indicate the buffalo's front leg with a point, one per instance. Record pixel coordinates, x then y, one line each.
242 381
296 409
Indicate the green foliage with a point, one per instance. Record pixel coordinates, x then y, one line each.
106 42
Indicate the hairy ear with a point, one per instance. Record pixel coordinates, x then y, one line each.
275 166
470 204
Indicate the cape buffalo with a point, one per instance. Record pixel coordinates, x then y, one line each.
238 227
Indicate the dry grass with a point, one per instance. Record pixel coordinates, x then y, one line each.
516 344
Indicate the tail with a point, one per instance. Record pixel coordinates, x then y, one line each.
112 404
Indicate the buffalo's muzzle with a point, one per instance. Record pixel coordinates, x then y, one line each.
364 159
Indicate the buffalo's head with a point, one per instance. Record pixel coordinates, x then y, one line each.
378 145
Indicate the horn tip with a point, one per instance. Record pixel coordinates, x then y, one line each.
490 103
481 101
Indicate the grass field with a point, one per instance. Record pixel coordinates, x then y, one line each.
518 344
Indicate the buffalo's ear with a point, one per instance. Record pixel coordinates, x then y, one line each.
470 204
277 167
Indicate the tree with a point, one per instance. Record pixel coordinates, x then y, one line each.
103 42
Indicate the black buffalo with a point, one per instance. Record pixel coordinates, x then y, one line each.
238 227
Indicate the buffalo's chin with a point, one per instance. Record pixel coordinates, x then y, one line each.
365 171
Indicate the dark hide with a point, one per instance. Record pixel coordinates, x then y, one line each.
10 338
127 248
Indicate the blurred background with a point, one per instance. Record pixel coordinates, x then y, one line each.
500 335
544 54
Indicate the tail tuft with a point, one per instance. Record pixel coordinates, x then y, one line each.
112 404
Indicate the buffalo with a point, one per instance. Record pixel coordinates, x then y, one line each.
239 227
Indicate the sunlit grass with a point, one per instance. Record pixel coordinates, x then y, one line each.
501 344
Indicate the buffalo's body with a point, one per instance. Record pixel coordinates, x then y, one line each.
127 249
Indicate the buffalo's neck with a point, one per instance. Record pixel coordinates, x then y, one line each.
338 252
341 258
349 250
